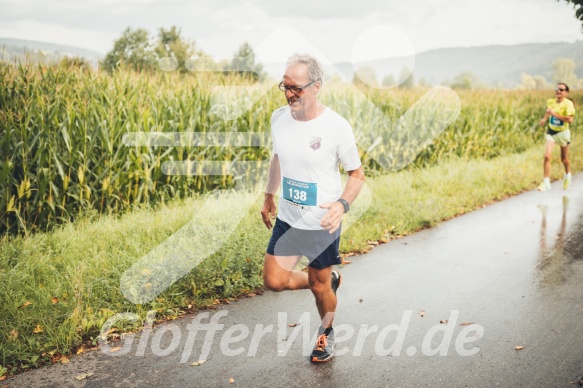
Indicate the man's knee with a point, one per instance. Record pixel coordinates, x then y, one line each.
318 287
547 158
274 283
565 160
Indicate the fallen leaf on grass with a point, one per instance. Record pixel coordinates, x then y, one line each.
55 300
2 378
293 324
518 347
81 350
25 304
13 334
443 321
38 329
231 380
56 358
197 363
422 313
104 336
252 294
466 323
83 376
115 349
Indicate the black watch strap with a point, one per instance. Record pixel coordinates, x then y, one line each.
344 203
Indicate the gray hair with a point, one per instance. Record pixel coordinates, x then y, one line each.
315 68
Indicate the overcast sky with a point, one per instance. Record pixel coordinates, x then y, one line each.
339 31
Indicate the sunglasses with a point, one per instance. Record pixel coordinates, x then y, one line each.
560 90
297 90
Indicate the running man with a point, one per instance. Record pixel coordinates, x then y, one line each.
309 142
561 111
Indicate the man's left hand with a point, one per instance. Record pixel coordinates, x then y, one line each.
331 221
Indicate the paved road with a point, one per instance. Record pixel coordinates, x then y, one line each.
514 270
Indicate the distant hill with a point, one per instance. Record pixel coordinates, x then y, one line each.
11 49
498 65
495 65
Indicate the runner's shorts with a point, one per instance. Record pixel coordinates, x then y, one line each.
562 138
319 246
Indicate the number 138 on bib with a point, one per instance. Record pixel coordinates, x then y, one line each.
302 193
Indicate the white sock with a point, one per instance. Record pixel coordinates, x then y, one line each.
568 176
547 180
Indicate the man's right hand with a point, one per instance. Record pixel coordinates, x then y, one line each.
542 122
269 211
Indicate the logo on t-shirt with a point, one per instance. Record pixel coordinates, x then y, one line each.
315 142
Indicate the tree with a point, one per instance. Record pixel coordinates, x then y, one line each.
406 79
541 83
389 81
244 61
171 44
133 49
423 83
564 71
578 5
528 82
465 80
538 82
365 76
75 63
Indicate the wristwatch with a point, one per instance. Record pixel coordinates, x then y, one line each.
344 203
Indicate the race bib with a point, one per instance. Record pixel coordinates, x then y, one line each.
556 122
298 192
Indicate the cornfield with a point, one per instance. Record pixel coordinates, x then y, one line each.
63 151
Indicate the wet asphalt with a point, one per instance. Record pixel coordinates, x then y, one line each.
491 298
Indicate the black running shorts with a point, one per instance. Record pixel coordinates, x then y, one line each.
319 246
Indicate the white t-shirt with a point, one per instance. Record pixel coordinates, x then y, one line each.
309 154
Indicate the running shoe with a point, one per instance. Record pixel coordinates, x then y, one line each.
566 182
336 280
544 186
324 349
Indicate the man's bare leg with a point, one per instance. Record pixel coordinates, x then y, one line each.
279 275
320 284
565 159
548 154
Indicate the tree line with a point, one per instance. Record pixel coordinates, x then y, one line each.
563 71
137 50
